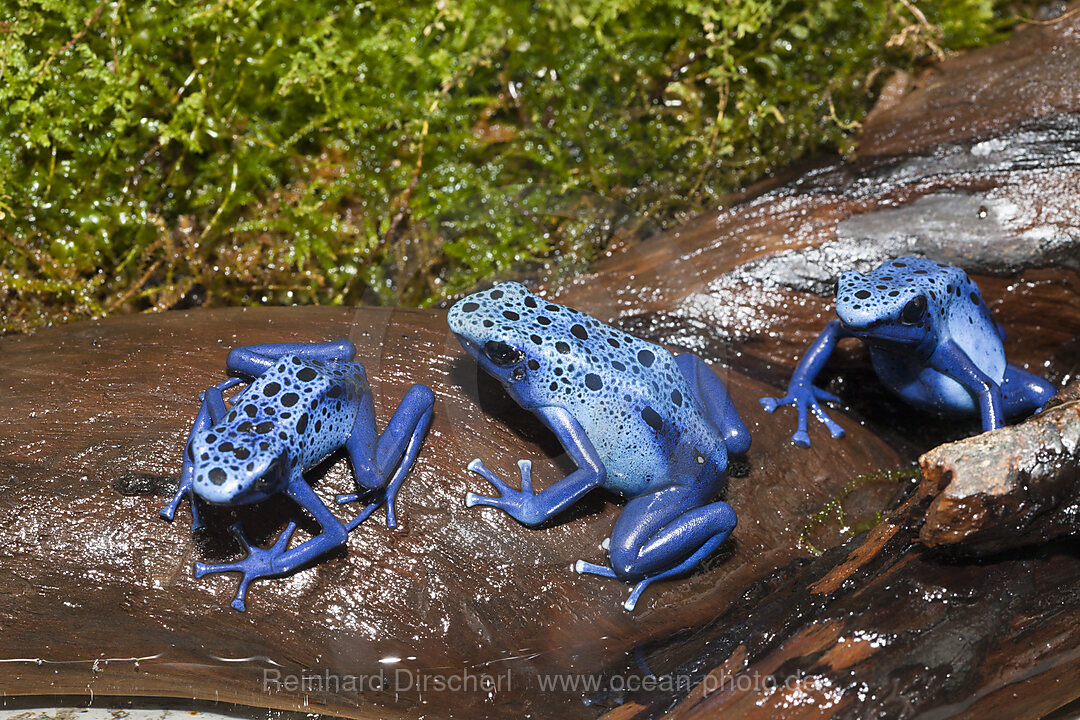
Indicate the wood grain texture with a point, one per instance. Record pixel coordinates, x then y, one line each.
95 417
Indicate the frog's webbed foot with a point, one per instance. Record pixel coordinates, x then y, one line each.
805 398
514 502
259 563
588 568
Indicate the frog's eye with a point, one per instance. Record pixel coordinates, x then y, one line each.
913 312
502 354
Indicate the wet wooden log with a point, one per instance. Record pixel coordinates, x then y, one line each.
887 627
97 593
1015 487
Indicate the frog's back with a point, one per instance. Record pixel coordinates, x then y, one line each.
309 404
632 401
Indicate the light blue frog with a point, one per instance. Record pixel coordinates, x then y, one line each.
636 420
305 401
932 342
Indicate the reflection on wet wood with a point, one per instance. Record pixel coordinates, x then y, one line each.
100 590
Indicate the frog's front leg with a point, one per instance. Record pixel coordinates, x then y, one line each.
533 509
951 360
801 391
662 534
394 451
211 410
277 560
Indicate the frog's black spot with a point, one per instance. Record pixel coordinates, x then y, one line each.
289 399
959 292
232 416
533 365
250 410
216 476
881 287
318 425
244 427
283 435
618 365
579 332
242 453
301 424
562 347
920 272
271 389
886 278
264 427
211 438
613 342
488 323
553 386
543 320
894 293
536 339
511 315
558 371
264 446
646 358
530 301
335 392
286 415
651 417
470 307
496 294
897 263
552 308
862 294
225 447
676 397
593 381
295 360
975 298
306 374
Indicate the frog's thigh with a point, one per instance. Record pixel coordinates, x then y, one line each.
1022 392
709 390
657 531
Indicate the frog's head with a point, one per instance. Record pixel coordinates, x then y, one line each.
532 346
901 301
236 465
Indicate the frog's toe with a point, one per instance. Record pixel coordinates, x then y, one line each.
346 498
480 469
825 395
801 438
588 568
472 499
768 404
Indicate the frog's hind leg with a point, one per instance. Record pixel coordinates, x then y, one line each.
382 464
710 391
278 561
211 410
254 360
1023 393
663 534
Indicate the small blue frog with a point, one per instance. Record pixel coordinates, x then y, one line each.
636 420
932 341
304 401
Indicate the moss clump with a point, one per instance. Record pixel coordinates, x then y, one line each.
252 151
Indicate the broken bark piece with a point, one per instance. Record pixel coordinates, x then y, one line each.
97 592
1016 486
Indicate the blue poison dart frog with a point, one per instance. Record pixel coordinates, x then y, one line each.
636 420
932 341
304 401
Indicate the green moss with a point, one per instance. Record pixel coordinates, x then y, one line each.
326 152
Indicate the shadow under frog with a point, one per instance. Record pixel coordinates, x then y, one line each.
635 419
